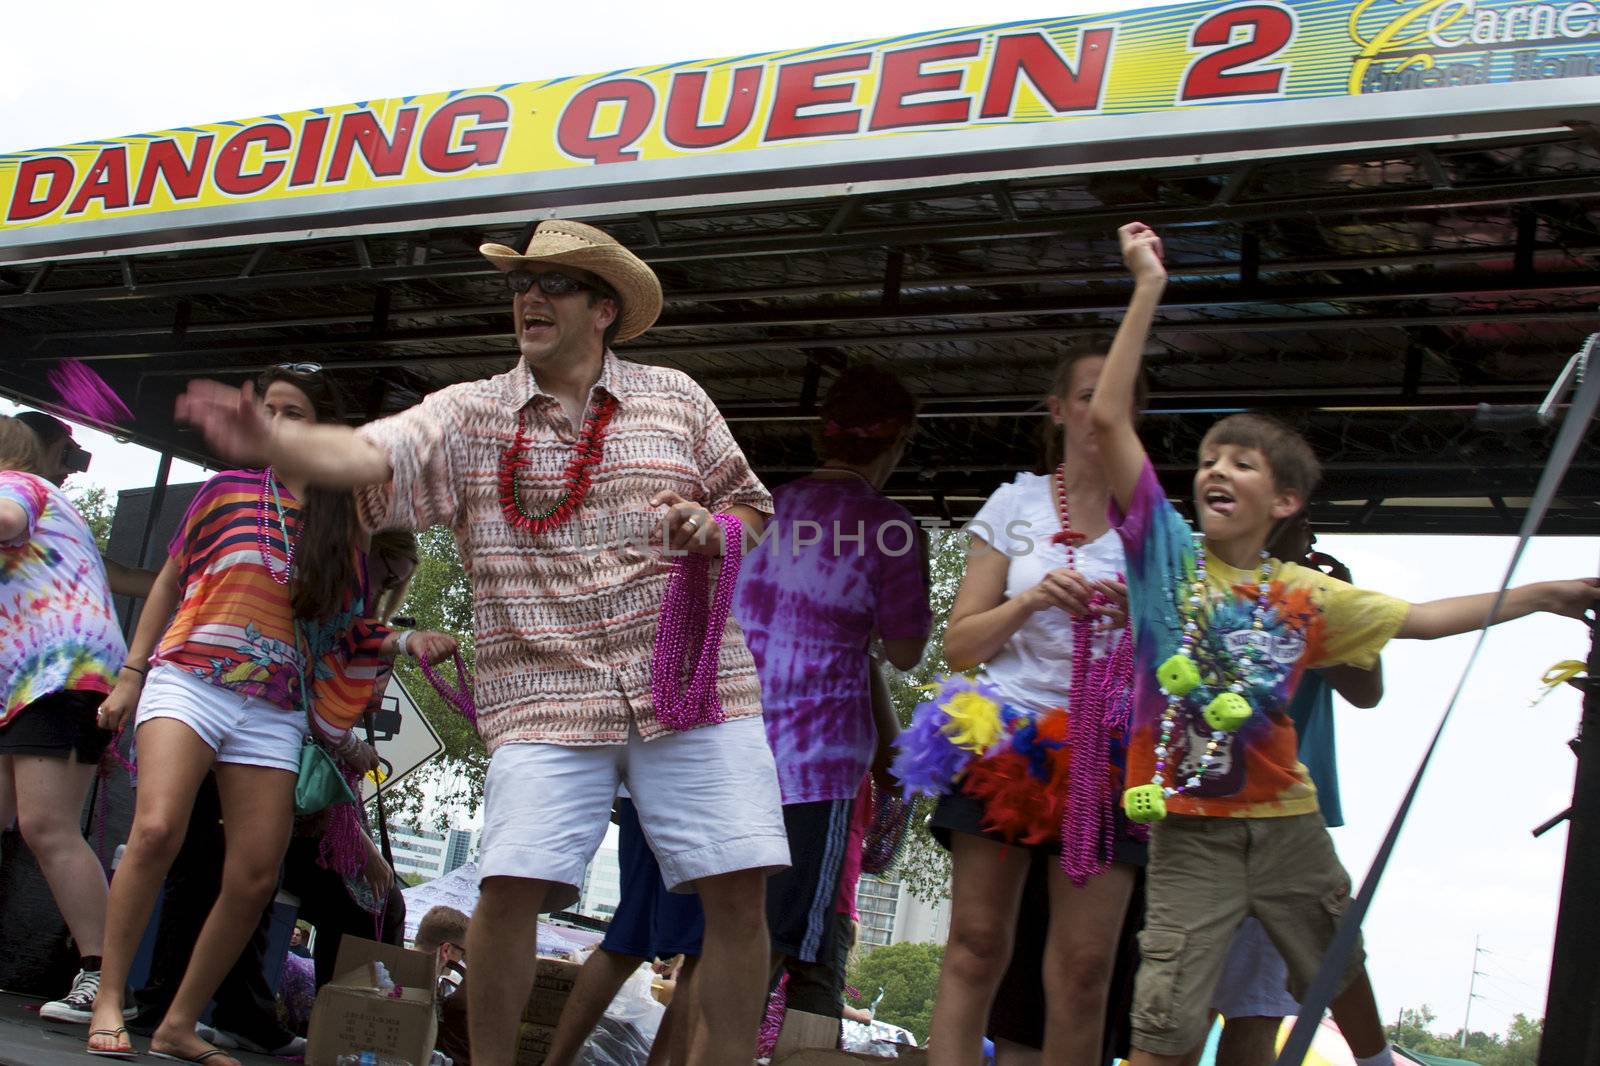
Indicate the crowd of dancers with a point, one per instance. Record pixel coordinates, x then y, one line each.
1133 769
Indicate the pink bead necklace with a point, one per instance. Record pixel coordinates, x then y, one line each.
687 630
458 695
269 487
1099 703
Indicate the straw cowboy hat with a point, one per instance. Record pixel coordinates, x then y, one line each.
558 242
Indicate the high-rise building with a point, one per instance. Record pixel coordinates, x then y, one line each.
602 882
890 914
428 854
461 848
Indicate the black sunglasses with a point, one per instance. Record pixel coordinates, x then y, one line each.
551 283
300 368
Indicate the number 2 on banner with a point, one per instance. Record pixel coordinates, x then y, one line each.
1232 66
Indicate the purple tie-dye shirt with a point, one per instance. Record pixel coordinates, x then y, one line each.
838 561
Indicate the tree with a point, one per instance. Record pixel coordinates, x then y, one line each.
98 510
908 975
1519 1046
1523 1037
440 598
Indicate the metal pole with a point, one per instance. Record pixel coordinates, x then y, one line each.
1472 988
1572 1006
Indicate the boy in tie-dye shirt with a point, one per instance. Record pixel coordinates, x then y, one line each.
1213 765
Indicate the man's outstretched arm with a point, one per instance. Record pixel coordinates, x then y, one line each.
329 456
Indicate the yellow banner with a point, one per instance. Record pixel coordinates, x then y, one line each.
1192 56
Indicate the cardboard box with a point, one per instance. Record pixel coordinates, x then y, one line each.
552 984
533 1043
802 1030
352 1014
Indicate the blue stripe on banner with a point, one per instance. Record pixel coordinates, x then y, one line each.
828 880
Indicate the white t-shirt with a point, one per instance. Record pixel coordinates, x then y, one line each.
1034 667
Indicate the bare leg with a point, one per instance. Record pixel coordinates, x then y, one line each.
1193 1058
257 816
728 995
602 975
1085 925
985 892
172 760
1249 1041
677 1024
503 940
1356 1012
49 795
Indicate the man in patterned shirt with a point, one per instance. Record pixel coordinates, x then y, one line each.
553 475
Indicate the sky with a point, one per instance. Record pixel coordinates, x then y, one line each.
1466 866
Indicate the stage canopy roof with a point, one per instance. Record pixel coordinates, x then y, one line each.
1377 217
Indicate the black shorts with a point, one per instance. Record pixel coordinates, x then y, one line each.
959 813
56 724
800 899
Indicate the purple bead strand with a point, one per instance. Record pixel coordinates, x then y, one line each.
687 628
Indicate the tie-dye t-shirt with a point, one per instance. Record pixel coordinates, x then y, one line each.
58 629
837 561
1314 621
234 628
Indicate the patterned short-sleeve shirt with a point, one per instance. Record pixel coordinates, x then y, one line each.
566 620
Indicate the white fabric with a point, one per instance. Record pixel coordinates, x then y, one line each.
707 801
1382 1058
240 729
1034 667
1255 978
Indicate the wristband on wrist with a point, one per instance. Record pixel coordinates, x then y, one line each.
142 671
402 639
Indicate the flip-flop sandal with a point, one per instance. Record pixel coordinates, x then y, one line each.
204 1056
111 1052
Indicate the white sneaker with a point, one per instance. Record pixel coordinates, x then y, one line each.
78 1004
215 1037
233 1041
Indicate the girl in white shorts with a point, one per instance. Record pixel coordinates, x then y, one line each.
261 575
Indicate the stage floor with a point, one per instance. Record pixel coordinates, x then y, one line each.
28 1040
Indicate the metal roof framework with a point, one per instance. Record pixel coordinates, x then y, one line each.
1374 296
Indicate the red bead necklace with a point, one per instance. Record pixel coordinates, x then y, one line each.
577 476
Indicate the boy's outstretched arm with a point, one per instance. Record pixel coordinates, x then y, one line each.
1463 614
1112 409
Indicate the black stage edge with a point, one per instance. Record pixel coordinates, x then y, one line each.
1572 1011
28 1040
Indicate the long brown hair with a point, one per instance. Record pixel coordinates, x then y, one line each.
392 544
325 573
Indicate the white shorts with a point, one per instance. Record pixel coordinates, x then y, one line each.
707 800
1254 978
240 729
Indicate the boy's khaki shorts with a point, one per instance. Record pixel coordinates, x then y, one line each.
1205 876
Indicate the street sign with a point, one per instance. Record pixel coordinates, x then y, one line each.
405 740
